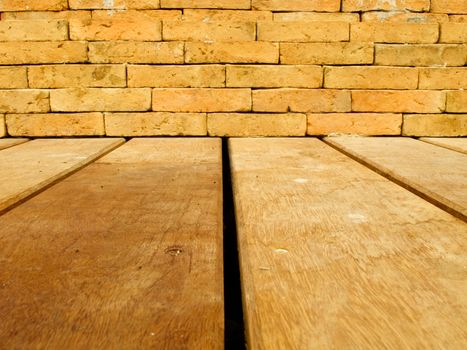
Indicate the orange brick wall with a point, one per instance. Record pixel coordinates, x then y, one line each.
233 67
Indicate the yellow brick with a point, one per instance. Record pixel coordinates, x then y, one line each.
110 29
155 124
456 101
458 18
385 5
105 99
79 75
394 32
303 31
34 15
201 100
269 76
33 5
114 4
418 101
449 6
226 15
420 55
176 76
33 30
246 124
206 4
326 53
137 15
316 17
135 52
407 17
443 78
364 77
453 33
435 125
297 5
42 52
2 126
301 100
354 123
212 31
13 78
55 124
240 52
24 101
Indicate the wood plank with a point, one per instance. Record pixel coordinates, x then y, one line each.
30 167
124 254
334 256
456 144
7 143
434 173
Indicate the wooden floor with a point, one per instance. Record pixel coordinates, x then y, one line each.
343 243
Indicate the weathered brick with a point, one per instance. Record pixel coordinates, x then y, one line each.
114 4
394 32
449 6
33 5
55 124
269 76
35 15
316 16
176 76
443 78
458 18
2 126
137 15
33 30
414 101
354 123
201 100
297 5
136 52
373 5
104 99
453 33
301 100
420 55
208 31
326 53
79 75
110 29
246 124
226 15
407 17
435 125
24 101
206 4
152 124
364 77
13 78
303 31
239 52
456 101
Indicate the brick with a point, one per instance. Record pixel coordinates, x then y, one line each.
406 17
385 5
303 31
2 126
435 125
368 124
201 100
55 124
137 15
458 18
33 5
33 30
413 101
24 101
206 4
176 76
449 6
43 52
364 77
394 32
240 52
35 15
80 75
443 78
104 99
155 124
453 33
136 52
226 15
246 124
326 53
268 76
456 101
420 55
297 5
301 100
316 16
13 78
114 4
212 31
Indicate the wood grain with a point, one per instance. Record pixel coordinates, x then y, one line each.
7 143
435 173
458 144
124 254
335 256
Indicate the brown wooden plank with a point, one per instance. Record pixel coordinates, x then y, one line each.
435 173
29 167
7 143
124 254
458 144
335 256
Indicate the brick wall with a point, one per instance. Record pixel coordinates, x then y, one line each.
233 67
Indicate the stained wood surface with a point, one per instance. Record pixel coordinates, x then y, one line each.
435 173
335 256
458 144
29 167
7 143
124 254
